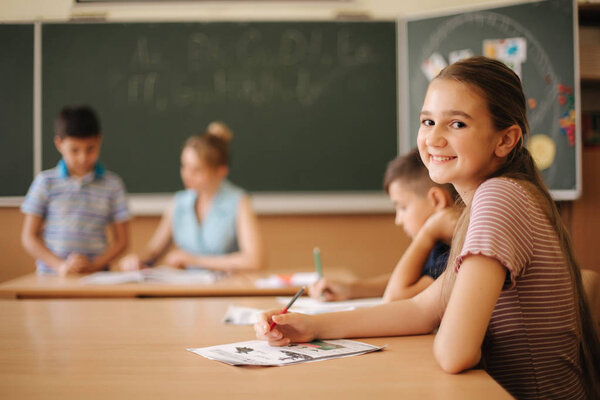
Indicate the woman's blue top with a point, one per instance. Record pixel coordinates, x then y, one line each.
216 234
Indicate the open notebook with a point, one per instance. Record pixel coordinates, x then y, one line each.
162 274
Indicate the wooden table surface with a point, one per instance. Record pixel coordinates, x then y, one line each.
35 286
136 349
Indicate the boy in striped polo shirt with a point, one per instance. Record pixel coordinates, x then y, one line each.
68 208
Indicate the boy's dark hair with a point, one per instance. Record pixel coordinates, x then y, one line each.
411 171
76 121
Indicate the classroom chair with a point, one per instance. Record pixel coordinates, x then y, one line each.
591 287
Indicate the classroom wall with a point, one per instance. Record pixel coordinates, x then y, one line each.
364 244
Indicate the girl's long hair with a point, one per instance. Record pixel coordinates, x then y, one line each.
502 89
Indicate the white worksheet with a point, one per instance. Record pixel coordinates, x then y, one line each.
259 352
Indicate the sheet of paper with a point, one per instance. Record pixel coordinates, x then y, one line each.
181 277
308 305
258 352
283 280
237 315
112 278
161 274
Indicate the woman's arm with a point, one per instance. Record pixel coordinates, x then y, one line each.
457 345
249 257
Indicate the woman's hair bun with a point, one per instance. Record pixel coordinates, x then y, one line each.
220 130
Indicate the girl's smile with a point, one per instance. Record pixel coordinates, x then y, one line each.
441 159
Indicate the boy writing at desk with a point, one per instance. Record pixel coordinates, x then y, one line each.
424 209
68 208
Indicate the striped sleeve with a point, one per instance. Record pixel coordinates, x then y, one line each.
500 226
119 209
36 200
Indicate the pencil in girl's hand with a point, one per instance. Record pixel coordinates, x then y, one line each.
298 294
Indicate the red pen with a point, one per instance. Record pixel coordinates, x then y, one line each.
288 305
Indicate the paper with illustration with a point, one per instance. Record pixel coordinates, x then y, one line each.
259 352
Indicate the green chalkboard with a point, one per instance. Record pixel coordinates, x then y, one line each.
312 104
16 108
547 71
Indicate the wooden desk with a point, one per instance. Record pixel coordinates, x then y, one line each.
34 286
135 349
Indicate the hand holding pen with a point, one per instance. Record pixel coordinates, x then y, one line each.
281 328
286 308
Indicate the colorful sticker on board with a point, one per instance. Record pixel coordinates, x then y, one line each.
567 120
511 51
514 49
542 149
432 66
458 55
532 103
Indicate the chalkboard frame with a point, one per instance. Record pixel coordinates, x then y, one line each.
406 142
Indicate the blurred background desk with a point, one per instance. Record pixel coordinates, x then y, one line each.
237 284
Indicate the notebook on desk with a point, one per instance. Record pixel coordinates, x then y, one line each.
160 274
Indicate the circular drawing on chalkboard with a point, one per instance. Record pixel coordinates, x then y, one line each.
542 149
454 35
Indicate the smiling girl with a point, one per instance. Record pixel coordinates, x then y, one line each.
511 299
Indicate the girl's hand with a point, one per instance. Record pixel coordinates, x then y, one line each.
329 290
289 328
178 259
130 262
440 226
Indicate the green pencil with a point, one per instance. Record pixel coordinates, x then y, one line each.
317 256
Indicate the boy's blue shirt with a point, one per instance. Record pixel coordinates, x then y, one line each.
64 171
437 260
76 211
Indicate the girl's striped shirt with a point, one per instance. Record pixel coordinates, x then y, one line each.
532 343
